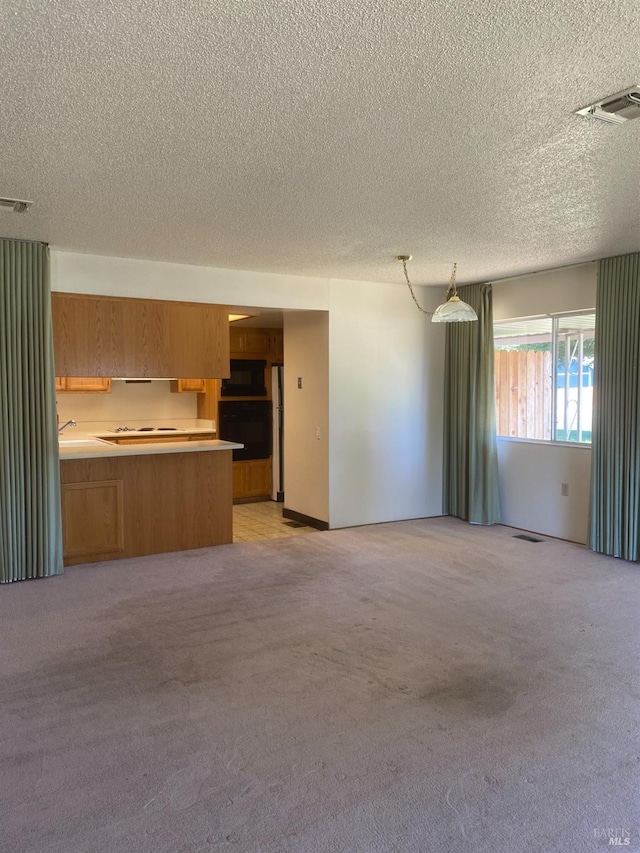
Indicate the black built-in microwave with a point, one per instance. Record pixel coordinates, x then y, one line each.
247 378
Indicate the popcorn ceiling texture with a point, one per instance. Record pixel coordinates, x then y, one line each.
322 138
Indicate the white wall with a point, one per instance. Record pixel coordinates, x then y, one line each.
531 476
385 404
385 367
306 456
77 273
531 473
548 292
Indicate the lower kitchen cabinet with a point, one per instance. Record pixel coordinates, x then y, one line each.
92 518
127 506
252 479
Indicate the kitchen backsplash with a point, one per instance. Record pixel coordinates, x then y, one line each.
128 403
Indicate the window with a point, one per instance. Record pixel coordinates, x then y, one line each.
544 377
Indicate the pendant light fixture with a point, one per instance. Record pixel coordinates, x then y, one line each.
453 309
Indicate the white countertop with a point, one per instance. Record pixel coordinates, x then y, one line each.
87 446
132 433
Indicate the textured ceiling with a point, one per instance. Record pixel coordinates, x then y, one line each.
322 137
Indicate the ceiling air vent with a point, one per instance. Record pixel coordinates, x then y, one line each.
623 106
17 205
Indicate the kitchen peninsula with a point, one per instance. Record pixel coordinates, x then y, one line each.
147 496
133 490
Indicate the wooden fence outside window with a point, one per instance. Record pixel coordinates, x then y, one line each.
524 393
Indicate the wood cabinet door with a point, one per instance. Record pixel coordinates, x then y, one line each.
121 336
258 478
189 386
92 518
277 347
252 478
238 480
237 340
257 342
95 384
249 341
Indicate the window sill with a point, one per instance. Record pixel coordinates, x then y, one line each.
549 442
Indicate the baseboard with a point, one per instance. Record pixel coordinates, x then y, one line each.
304 519
546 535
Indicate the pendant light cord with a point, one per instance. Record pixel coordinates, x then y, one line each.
452 290
415 299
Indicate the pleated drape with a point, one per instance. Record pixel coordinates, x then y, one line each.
30 529
615 455
470 483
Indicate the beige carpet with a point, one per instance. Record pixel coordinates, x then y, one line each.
418 686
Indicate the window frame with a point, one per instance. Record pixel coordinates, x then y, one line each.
555 319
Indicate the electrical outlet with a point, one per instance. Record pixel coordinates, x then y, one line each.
299 381
564 490
318 433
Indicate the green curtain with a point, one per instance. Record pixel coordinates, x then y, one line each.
615 453
30 529
470 448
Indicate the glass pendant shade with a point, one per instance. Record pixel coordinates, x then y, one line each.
454 310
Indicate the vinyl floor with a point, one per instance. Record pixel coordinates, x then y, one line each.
263 520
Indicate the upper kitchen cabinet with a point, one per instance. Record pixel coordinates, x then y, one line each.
277 345
248 341
92 384
252 341
146 338
188 386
